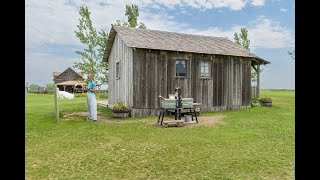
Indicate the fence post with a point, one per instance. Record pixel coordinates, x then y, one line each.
56 103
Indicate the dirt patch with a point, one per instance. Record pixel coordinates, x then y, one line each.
100 117
203 120
81 114
207 120
66 116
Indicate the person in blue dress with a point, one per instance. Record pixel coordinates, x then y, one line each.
91 99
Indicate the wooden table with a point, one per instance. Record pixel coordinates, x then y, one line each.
177 113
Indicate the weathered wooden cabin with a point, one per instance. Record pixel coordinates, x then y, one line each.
144 64
67 80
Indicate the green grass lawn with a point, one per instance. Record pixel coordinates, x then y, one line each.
256 143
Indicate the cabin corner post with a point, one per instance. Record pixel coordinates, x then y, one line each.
258 80
257 70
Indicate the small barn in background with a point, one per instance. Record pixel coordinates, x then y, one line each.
68 80
144 64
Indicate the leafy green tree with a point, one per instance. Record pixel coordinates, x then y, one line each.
95 42
50 87
132 13
243 40
34 87
292 54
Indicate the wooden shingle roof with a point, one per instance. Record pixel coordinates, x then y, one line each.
162 40
55 74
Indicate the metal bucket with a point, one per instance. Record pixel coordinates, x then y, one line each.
187 118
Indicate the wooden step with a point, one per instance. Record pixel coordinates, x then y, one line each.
178 123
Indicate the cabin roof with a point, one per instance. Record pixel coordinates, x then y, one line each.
172 41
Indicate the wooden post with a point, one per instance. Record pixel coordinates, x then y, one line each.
26 88
253 92
56 103
258 80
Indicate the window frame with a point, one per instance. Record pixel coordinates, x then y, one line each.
187 67
209 69
117 70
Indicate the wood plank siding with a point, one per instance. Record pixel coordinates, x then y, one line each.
120 89
228 86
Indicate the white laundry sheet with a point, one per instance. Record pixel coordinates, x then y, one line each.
64 94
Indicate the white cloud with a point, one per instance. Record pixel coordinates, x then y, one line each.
263 33
232 4
199 4
49 22
257 2
283 10
55 21
185 12
161 22
266 33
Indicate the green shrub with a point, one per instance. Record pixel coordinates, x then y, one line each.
120 107
255 103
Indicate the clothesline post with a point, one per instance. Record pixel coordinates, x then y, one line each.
56 103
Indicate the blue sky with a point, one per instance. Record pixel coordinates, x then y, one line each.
51 42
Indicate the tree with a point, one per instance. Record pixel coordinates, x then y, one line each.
132 12
292 54
50 87
34 87
95 42
243 40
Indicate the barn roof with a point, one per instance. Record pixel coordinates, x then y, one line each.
56 74
171 41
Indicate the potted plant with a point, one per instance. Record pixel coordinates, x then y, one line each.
265 101
120 110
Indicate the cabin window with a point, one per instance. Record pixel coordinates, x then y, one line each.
204 69
181 68
68 74
117 70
